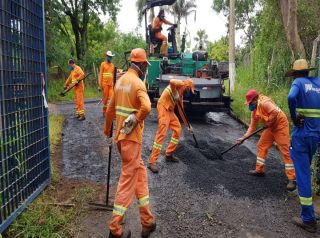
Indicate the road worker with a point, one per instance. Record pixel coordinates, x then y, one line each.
170 97
303 100
131 105
106 80
76 77
276 129
157 28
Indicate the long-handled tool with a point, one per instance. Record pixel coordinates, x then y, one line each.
107 206
235 145
189 125
62 94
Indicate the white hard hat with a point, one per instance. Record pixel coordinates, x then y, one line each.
109 53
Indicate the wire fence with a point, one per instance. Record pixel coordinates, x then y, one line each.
24 142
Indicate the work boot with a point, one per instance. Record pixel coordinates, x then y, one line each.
153 168
125 234
171 158
311 227
256 173
81 118
146 231
291 186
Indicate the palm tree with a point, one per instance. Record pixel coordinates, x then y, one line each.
201 39
181 10
139 5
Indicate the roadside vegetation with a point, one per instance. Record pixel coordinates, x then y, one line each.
45 217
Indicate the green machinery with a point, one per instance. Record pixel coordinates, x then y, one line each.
208 75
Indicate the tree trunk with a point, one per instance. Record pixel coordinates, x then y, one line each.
290 22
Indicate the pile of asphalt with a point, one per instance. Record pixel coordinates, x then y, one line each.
231 172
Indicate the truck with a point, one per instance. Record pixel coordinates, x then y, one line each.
208 75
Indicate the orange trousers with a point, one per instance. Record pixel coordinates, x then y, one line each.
107 92
79 99
133 181
164 47
167 119
280 134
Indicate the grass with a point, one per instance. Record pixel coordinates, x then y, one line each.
55 87
41 219
245 81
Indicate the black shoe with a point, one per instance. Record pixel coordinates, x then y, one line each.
291 186
146 231
125 234
171 158
153 168
81 118
311 227
256 173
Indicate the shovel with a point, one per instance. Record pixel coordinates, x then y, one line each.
235 145
62 94
189 125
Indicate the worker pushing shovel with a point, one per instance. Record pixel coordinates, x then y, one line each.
276 128
75 80
170 97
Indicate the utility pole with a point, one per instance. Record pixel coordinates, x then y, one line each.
232 52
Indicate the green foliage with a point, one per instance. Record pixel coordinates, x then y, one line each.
246 12
41 218
55 87
309 21
272 56
219 50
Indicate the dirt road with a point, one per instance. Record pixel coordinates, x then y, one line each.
201 196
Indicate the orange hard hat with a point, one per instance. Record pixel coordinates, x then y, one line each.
189 84
139 55
251 94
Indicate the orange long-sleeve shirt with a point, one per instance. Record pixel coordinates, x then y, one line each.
157 23
75 75
106 74
167 98
266 112
130 96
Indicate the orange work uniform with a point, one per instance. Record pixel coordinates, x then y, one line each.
168 119
277 130
157 27
130 96
106 82
76 75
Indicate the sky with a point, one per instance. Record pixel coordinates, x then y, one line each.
207 18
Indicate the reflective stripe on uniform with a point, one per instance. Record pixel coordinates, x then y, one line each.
107 75
124 111
73 81
157 146
169 90
174 141
143 201
306 201
289 166
119 210
260 161
314 113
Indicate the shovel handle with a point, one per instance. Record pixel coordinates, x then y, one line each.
235 145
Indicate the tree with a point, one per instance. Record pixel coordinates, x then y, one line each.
79 13
201 39
182 10
245 13
219 49
290 22
140 5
